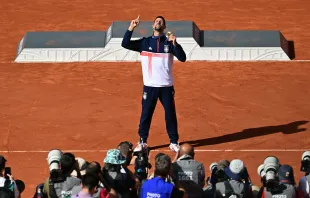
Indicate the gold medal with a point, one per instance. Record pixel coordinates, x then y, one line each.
168 34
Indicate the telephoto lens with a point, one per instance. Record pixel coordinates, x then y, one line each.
305 162
271 168
271 178
53 159
213 167
261 171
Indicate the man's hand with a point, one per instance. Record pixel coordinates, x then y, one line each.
173 38
10 177
77 169
134 23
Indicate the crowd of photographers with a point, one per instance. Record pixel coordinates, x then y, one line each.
183 176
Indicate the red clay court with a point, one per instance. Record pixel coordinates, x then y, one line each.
227 110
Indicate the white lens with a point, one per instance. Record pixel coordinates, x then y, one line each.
212 166
271 162
53 159
260 170
271 167
270 175
306 155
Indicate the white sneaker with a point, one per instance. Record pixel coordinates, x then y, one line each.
174 147
140 147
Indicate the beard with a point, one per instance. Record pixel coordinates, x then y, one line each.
158 28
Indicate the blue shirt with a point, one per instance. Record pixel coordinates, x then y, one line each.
157 57
155 44
157 187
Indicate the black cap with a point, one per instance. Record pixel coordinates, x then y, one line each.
286 174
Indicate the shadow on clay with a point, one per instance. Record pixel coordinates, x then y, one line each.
289 128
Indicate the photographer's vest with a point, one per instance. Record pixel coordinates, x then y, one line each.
6 188
232 189
121 182
288 191
156 188
65 189
308 181
189 173
186 168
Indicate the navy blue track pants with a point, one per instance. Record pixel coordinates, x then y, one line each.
149 101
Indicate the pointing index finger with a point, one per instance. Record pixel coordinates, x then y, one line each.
138 17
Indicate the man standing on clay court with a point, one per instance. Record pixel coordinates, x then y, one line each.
157 53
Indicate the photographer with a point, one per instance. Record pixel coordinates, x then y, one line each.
61 183
237 185
217 172
8 187
286 176
92 168
89 186
141 165
82 167
120 181
217 175
304 182
157 186
277 180
127 151
188 171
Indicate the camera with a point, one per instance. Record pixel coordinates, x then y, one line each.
270 172
305 162
7 171
142 164
213 167
245 176
260 171
53 159
217 174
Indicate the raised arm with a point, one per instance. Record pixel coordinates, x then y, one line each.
129 44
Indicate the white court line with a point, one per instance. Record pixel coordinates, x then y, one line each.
167 150
189 61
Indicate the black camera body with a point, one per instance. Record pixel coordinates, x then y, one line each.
57 176
220 175
305 166
142 164
217 174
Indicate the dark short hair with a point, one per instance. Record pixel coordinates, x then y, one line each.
223 164
90 181
93 168
161 17
111 167
67 162
162 165
125 148
2 162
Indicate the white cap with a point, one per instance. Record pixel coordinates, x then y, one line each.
305 154
81 162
